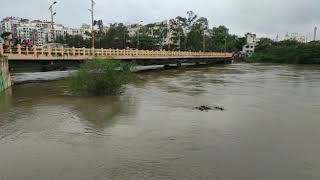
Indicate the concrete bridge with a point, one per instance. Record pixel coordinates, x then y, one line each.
23 56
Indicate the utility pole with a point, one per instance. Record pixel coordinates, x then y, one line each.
92 22
204 41
52 14
138 33
179 41
315 33
225 44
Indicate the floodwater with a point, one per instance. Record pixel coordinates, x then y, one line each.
270 129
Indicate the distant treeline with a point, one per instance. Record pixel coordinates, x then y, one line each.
181 33
291 52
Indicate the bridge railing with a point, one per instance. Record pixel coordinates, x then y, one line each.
86 52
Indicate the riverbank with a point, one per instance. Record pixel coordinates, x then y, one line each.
5 78
287 52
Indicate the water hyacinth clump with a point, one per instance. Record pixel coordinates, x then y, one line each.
100 77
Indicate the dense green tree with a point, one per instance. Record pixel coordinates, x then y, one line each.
287 52
183 33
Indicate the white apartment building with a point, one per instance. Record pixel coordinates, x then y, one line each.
85 28
252 42
39 36
295 37
39 32
10 24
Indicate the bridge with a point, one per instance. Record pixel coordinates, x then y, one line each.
24 56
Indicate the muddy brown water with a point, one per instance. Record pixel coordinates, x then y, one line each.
270 129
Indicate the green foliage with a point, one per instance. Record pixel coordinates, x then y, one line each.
187 33
100 77
292 52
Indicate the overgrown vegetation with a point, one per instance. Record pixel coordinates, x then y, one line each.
291 52
100 77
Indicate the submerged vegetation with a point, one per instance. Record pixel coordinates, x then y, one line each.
291 52
100 77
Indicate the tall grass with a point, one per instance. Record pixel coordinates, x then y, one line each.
100 77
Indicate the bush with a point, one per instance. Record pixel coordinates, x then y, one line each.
291 52
100 77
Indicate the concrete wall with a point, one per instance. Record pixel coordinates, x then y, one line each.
5 78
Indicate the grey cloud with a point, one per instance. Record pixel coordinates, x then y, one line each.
264 17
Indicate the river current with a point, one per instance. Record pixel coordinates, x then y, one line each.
269 130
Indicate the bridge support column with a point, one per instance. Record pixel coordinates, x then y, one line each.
5 78
179 64
1 49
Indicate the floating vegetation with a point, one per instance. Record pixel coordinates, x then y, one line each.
207 108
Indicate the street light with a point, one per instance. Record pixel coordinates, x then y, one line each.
138 43
204 40
93 3
52 14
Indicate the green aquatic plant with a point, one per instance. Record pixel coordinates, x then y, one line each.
100 77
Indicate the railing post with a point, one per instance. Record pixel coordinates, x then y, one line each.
49 51
35 50
117 52
62 51
42 51
73 51
1 49
27 50
93 52
83 51
19 49
55 51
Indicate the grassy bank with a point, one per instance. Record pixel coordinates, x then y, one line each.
291 52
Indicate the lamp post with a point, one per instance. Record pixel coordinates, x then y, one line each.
204 40
138 41
92 22
52 15
225 44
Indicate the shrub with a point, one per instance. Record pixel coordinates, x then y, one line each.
100 77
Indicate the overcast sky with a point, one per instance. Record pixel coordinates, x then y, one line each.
264 17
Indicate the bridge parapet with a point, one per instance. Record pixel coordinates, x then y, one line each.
19 52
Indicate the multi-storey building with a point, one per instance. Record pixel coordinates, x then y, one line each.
252 42
295 37
39 32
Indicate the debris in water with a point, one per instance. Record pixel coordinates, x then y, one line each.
203 108
207 108
219 108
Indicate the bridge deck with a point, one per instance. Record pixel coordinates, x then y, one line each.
35 53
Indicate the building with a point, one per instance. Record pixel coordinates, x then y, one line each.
38 31
252 42
295 37
85 28
10 24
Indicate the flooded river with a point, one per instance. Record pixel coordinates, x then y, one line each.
270 129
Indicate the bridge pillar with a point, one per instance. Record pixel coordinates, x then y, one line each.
1 49
5 78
